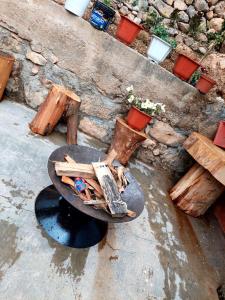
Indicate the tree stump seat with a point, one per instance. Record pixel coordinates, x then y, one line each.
204 183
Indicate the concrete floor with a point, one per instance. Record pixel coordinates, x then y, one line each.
161 255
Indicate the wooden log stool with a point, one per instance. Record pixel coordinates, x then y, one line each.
205 181
58 102
6 66
125 141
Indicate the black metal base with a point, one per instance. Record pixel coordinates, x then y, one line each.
64 223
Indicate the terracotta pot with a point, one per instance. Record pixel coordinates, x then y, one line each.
127 30
185 67
219 139
137 119
205 84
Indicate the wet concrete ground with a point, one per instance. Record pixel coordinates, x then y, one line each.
162 255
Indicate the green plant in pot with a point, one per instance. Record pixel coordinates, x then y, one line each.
161 44
142 110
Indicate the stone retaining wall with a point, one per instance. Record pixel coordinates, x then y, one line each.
53 46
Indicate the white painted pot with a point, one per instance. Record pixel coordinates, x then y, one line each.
77 7
158 49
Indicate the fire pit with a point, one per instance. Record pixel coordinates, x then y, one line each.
66 218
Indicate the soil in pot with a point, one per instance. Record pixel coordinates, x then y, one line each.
77 7
127 30
158 49
185 67
101 16
205 84
137 119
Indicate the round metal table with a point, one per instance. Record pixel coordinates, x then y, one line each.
65 217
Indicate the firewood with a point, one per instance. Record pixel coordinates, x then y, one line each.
88 194
95 185
74 170
111 157
69 159
117 206
6 66
131 214
67 180
52 110
94 202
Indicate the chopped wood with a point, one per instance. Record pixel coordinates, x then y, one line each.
131 214
95 185
6 66
111 157
196 191
208 155
74 170
88 194
72 121
69 159
117 206
67 180
94 202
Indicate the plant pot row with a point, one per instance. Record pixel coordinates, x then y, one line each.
185 67
102 16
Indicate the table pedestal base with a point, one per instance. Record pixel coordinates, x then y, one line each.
64 223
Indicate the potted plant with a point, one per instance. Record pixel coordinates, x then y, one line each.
127 30
205 84
102 15
184 67
142 110
161 44
77 7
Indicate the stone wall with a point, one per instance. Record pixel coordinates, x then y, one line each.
53 46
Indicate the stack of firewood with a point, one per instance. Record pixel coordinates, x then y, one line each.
99 184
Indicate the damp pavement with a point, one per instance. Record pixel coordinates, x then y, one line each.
161 255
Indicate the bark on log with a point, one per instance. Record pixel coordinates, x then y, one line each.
196 191
6 65
207 155
50 112
72 122
125 141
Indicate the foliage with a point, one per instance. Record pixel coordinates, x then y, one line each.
174 17
195 77
195 23
144 105
154 22
217 38
107 2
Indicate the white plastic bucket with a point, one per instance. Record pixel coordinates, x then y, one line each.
158 49
77 7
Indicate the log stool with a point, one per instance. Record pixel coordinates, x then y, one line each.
58 102
125 141
205 181
6 65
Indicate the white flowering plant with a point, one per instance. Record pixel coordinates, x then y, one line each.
144 105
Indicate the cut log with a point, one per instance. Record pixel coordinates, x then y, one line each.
74 170
196 191
125 141
50 112
6 66
208 155
117 206
72 121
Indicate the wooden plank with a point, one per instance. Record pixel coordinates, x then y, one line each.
117 206
72 120
207 155
196 191
74 170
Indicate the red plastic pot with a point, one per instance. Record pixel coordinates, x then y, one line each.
219 139
127 30
205 84
185 67
137 119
